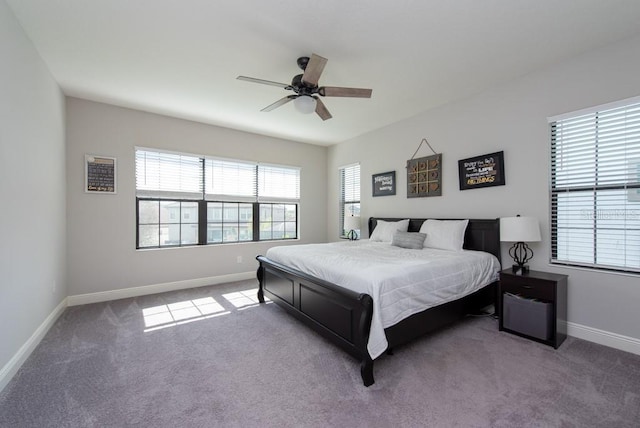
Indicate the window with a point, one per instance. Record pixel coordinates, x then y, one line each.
595 188
184 199
349 194
229 222
278 221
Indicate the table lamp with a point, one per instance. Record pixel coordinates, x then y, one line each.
520 230
352 223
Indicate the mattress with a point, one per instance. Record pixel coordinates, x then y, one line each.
401 281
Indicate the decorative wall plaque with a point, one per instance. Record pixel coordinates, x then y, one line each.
481 171
384 184
424 176
100 174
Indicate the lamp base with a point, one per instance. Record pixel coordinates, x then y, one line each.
521 254
352 235
520 268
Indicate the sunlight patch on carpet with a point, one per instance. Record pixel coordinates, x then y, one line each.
173 314
244 299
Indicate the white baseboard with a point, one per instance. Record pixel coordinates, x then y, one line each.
11 368
104 296
13 365
606 338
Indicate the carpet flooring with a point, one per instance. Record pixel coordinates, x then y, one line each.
213 357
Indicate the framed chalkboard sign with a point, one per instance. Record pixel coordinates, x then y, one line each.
481 171
384 184
99 174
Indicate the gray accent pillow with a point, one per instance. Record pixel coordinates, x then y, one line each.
411 240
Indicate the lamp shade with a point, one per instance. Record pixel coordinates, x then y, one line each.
305 104
352 222
519 229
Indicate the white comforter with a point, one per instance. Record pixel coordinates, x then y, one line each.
401 282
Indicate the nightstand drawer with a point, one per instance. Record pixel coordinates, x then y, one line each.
528 287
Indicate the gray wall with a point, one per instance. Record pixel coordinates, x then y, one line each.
513 118
32 190
102 227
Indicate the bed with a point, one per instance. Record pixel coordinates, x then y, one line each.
352 317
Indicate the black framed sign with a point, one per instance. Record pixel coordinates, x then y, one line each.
100 174
384 184
481 171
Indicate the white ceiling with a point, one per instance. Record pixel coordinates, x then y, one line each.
181 58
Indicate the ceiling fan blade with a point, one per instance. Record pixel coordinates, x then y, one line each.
264 82
321 110
280 102
314 70
333 91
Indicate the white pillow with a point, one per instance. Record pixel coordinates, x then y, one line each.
444 234
385 229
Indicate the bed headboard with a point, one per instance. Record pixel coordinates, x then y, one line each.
481 234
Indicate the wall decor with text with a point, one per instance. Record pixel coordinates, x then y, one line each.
424 176
481 171
384 184
99 174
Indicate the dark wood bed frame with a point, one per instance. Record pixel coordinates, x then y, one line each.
344 316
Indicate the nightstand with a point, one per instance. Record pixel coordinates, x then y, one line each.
534 305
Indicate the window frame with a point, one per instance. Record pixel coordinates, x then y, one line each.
203 199
354 172
225 222
608 140
203 223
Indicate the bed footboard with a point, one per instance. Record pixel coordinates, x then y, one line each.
340 315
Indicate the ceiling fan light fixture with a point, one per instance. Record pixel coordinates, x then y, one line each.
305 104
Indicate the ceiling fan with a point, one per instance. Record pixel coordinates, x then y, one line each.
306 88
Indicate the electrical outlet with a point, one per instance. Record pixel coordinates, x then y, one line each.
54 287
239 259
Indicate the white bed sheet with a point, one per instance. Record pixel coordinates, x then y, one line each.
401 281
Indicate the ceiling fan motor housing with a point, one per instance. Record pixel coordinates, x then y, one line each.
302 88
303 61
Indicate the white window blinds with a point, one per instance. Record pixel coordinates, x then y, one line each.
349 193
350 177
227 180
169 175
595 188
277 183
165 174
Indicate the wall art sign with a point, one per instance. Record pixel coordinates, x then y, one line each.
481 171
100 174
384 184
424 176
